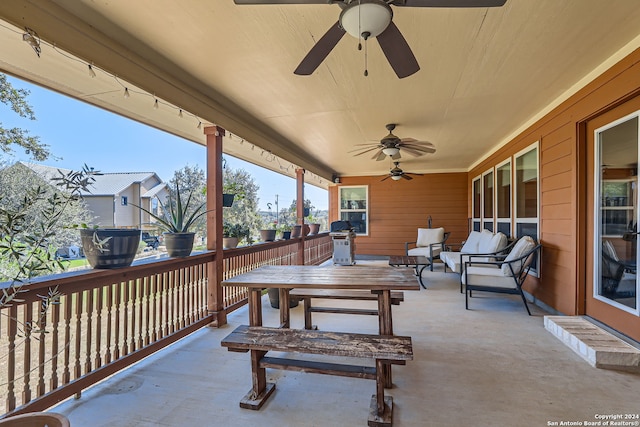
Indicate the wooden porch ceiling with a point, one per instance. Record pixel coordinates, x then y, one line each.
485 73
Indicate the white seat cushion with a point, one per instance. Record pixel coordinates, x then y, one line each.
422 251
488 276
427 236
452 259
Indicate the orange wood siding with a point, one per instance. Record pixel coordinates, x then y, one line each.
562 181
398 208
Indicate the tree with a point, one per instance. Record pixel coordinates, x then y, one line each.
15 179
16 99
245 208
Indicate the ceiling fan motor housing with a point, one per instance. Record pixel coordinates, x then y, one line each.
370 17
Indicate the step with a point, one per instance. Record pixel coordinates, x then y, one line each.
595 345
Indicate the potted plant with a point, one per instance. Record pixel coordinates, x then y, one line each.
268 234
175 219
284 230
232 234
110 247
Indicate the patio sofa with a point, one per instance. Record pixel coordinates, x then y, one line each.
478 242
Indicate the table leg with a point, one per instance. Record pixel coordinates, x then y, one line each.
419 274
260 389
255 307
285 320
385 327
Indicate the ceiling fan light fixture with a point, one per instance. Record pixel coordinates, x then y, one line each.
391 151
396 177
366 16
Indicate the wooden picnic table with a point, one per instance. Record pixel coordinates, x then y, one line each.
379 280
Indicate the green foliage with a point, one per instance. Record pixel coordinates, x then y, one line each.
235 230
176 216
245 209
16 99
25 240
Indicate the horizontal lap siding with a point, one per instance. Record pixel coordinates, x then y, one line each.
398 208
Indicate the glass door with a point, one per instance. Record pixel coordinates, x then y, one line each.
616 214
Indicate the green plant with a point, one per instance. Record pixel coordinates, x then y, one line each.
24 241
235 230
176 217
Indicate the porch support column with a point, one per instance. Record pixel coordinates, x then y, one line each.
300 212
215 301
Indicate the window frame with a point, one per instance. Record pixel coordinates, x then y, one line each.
498 218
365 210
486 219
516 219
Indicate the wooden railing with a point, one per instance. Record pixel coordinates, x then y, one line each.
107 320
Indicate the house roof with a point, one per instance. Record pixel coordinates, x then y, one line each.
106 184
486 73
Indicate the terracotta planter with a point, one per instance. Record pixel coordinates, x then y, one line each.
314 228
229 242
267 235
296 231
110 247
179 245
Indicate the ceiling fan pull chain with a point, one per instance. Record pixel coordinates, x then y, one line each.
359 29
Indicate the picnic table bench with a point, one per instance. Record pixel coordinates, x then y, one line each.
306 295
383 349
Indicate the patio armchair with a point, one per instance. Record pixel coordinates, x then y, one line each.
478 242
429 244
505 274
613 271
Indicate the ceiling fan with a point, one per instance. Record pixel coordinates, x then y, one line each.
391 146
396 173
366 19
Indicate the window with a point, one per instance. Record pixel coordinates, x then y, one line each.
503 198
476 205
526 194
487 200
124 201
154 206
354 207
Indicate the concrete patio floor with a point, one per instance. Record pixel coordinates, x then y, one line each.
489 366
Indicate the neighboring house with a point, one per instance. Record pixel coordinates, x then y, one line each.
111 196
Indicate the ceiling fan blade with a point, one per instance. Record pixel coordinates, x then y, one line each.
397 51
415 141
412 151
451 3
364 151
405 176
396 156
380 156
384 179
320 50
280 1
420 148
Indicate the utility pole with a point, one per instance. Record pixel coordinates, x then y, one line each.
277 211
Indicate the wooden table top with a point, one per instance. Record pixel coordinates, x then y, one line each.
329 277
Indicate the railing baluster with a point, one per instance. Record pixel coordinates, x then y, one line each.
99 304
109 332
55 321
27 315
116 329
88 348
12 332
42 345
134 307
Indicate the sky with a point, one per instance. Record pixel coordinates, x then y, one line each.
78 133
